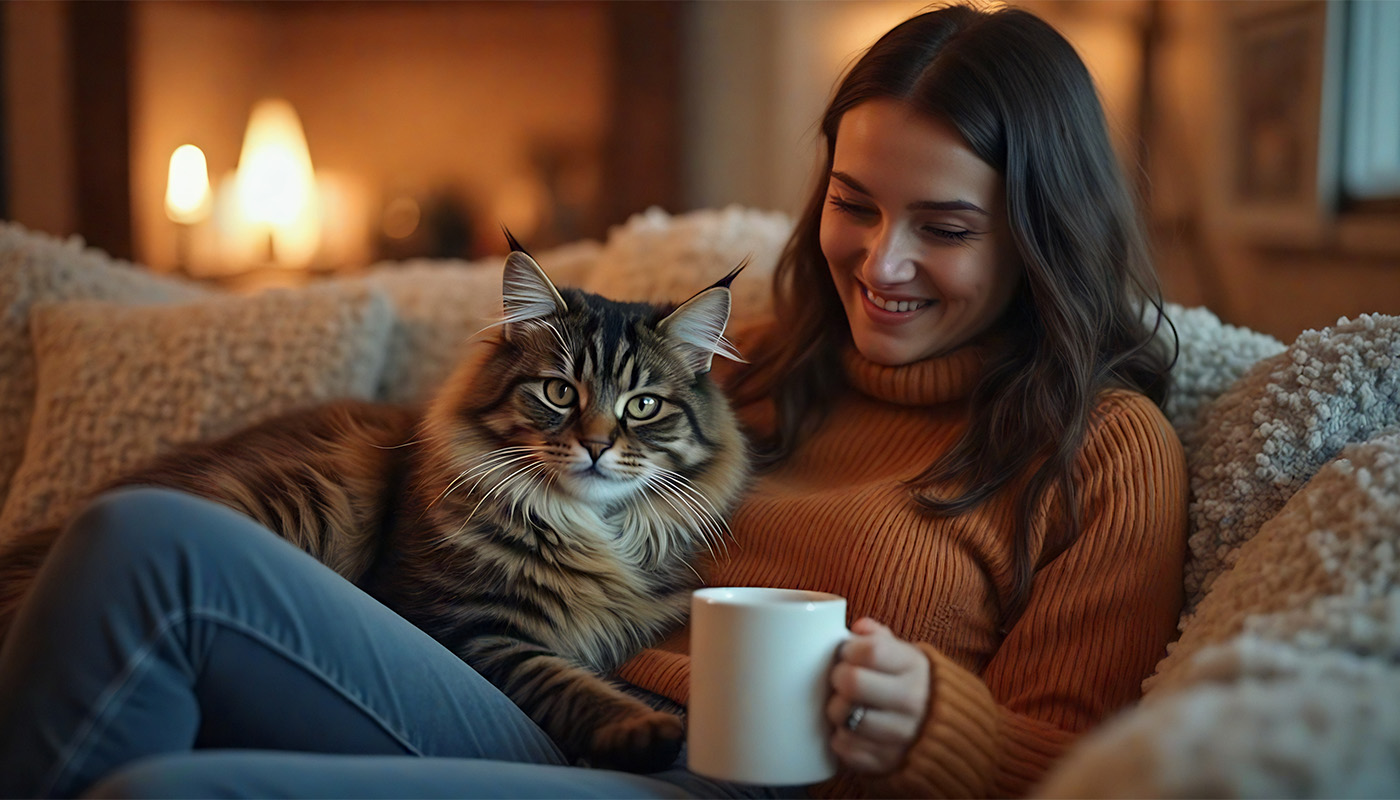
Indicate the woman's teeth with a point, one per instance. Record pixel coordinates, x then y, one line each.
896 305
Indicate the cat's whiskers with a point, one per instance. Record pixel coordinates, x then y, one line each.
485 468
533 480
689 487
656 515
694 498
397 446
476 465
506 456
659 484
494 490
669 532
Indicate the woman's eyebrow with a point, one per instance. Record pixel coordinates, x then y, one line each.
921 205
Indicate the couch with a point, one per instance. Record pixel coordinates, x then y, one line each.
1285 680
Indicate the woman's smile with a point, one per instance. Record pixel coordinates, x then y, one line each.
892 310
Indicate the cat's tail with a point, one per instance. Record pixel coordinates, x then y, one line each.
19 564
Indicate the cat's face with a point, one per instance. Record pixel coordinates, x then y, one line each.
599 399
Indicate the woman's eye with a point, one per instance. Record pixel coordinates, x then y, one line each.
949 234
560 393
643 406
847 207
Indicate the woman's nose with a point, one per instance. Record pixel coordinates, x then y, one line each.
891 258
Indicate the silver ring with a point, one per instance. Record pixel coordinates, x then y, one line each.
854 718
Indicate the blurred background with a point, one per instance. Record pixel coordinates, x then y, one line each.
223 138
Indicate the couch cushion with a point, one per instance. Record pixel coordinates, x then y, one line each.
1324 732
1282 683
1323 574
440 305
120 384
1266 436
1212 356
661 258
37 268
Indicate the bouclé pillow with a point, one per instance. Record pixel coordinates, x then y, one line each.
118 385
36 268
440 305
1280 685
661 258
1323 574
1211 357
1261 440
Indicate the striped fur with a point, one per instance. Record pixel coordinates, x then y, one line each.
541 518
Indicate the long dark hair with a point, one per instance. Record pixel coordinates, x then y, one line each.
1024 102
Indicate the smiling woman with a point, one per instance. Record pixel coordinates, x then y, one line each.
921 265
969 281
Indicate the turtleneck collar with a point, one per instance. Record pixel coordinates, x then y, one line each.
924 383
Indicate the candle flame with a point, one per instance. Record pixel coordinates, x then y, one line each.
187 190
276 184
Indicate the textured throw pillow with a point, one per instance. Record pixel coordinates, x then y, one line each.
118 385
1212 356
1328 730
662 258
1323 574
1261 440
1282 684
440 305
36 268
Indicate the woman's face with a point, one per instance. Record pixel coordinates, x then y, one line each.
914 231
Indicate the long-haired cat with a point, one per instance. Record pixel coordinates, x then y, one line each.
540 519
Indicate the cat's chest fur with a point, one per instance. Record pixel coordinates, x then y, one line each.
591 584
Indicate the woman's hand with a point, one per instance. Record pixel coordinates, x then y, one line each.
889 678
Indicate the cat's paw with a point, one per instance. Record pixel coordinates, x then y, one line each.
645 742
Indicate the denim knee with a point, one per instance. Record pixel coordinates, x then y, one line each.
154 777
144 519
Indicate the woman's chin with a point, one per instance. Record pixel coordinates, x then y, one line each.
889 352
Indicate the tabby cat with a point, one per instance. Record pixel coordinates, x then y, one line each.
540 518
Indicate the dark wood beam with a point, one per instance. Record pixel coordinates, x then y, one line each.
99 38
642 158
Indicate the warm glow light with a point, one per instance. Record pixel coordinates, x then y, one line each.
401 217
522 205
277 186
187 190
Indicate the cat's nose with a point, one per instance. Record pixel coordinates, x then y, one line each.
595 448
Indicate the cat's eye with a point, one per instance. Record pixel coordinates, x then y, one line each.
559 393
643 406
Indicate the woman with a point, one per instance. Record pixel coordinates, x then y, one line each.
957 415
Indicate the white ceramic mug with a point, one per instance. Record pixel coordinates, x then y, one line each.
760 663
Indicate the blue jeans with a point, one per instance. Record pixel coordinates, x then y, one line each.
173 647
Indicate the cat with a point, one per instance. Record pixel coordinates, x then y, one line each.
543 515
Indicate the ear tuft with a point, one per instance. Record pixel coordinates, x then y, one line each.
526 292
697 327
515 246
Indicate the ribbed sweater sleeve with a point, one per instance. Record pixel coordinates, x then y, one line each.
1099 617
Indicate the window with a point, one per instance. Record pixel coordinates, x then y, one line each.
1370 158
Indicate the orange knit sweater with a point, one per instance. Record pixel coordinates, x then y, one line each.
1003 704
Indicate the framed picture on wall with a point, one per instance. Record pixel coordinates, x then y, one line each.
1282 117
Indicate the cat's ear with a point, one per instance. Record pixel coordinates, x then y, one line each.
697 327
526 292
